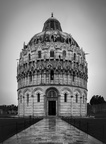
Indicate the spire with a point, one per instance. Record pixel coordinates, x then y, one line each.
52 14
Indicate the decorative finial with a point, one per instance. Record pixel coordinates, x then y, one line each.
52 14
24 45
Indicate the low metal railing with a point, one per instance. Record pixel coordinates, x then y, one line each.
93 127
8 129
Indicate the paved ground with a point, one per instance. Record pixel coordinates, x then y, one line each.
52 131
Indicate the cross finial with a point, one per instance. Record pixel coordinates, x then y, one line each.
52 14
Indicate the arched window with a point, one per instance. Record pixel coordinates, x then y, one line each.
27 99
74 56
52 38
73 76
67 40
65 97
76 98
64 53
38 97
29 56
30 78
52 75
51 53
39 54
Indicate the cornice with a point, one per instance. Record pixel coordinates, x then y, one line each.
51 85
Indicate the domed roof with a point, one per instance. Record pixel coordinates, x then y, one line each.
52 24
52 31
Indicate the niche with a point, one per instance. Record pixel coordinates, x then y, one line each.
51 75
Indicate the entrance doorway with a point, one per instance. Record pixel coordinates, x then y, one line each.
52 108
51 102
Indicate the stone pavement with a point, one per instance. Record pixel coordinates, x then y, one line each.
52 131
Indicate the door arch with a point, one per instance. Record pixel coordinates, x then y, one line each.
51 102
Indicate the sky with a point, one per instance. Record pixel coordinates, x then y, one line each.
20 20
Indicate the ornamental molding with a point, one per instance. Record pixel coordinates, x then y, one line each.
77 91
66 85
26 90
37 89
66 89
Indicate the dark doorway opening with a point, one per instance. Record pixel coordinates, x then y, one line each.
52 108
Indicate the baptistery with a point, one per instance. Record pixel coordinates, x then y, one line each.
52 74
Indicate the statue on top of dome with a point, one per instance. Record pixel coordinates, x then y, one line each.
52 14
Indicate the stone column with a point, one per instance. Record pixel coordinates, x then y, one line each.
37 78
68 78
57 77
28 80
25 80
80 106
47 78
23 106
86 106
58 105
44 77
61 78
18 106
49 81
40 77
32 105
45 105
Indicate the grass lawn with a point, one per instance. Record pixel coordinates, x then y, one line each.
95 127
11 126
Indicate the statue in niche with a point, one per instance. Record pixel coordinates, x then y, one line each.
70 40
52 38
34 41
51 95
58 39
55 37
67 40
47 38
40 39
62 39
